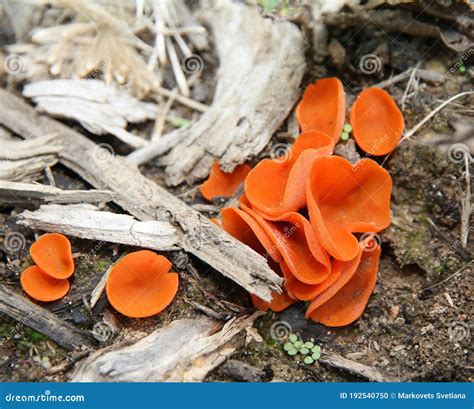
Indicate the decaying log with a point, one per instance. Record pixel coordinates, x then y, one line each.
258 84
98 107
25 170
364 371
24 193
86 222
144 199
184 351
19 308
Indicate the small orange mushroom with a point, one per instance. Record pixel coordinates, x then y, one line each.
294 237
52 253
244 228
323 108
344 199
139 285
349 302
275 187
377 123
222 184
41 286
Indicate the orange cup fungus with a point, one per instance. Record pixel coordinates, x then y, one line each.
52 253
140 284
314 215
222 184
47 281
377 123
41 286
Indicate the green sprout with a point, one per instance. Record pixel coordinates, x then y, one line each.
462 68
346 131
178 122
347 128
309 352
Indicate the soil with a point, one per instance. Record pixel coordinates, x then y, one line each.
417 325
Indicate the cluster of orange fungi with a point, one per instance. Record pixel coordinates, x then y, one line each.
312 214
139 285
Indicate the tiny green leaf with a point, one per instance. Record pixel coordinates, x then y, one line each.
293 338
316 352
288 346
309 345
304 351
178 122
344 136
292 352
462 69
308 360
298 344
347 128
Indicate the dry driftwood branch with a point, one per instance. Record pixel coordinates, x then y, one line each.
25 170
16 193
184 351
258 84
19 149
19 308
99 107
364 371
86 222
144 199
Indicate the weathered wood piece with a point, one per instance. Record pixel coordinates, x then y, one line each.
258 84
20 309
25 170
20 149
183 351
99 107
86 222
24 193
144 199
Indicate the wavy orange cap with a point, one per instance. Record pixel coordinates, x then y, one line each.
344 199
377 123
52 253
323 108
350 300
41 286
294 237
276 186
222 184
139 285
245 229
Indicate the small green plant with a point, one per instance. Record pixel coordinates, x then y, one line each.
462 68
346 131
308 350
